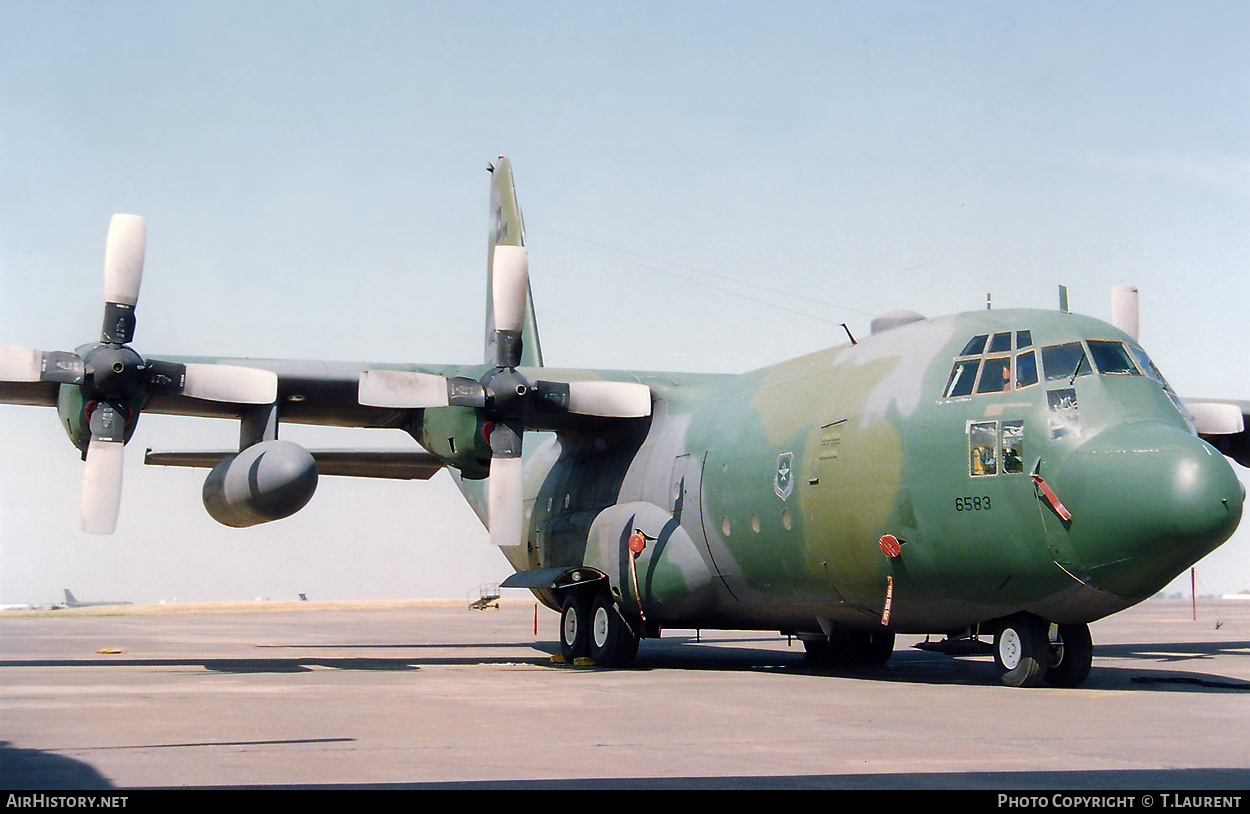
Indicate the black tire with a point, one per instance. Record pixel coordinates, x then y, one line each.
1071 654
575 627
872 649
821 653
613 641
1022 650
855 650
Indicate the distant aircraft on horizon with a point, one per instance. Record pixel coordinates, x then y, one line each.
72 602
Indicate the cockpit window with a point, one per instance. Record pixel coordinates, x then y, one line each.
1000 342
986 365
1006 361
963 377
1026 368
1147 366
995 375
1065 361
975 347
1111 357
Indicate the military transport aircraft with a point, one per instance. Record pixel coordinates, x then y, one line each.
72 601
1013 474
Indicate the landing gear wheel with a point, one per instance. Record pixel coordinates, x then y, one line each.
855 650
613 642
872 649
1022 650
820 653
575 627
1071 652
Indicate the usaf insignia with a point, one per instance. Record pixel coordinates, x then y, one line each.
783 481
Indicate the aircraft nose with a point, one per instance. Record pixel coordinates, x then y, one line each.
1147 501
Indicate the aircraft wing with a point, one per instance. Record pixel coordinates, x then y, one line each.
309 392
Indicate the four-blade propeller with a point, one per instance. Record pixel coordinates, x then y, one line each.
504 395
113 379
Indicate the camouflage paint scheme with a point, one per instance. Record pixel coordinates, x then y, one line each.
840 494
764 495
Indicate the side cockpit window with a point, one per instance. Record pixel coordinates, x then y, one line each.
993 363
1112 357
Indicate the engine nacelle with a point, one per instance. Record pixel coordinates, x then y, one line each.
267 481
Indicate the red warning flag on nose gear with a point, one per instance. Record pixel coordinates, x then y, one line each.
1052 498
890 546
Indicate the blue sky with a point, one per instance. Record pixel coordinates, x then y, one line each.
313 179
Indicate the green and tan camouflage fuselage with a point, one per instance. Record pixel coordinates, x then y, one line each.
763 498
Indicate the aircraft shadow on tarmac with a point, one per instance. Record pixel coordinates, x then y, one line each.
1178 664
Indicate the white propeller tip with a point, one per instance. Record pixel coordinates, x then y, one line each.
102 487
505 501
123 259
610 399
402 389
231 383
510 284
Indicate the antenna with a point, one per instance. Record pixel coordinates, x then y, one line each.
1063 299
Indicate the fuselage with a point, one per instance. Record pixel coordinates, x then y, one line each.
930 477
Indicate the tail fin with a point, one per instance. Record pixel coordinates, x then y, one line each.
508 229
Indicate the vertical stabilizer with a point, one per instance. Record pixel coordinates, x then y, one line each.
508 229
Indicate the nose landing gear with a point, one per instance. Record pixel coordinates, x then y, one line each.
1029 652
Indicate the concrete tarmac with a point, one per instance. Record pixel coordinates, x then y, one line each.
422 696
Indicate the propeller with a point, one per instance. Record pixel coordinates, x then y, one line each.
114 380
504 395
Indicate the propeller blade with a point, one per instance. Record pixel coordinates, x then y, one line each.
505 504
102 478
20 364
504 499
1124 309
230 383
404 389
123 259
29 365
510 284
123 273
607 399
102 486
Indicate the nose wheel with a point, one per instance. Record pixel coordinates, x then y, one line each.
1071 653
1022 650
1029 652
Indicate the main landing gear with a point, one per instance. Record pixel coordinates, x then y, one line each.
850 650
1030 651
593 627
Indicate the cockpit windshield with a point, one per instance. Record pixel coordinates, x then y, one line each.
1005 361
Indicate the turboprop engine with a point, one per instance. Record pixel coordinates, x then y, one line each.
268 481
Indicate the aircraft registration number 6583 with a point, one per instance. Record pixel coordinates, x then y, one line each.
972 504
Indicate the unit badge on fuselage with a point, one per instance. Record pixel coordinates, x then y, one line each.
783 481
